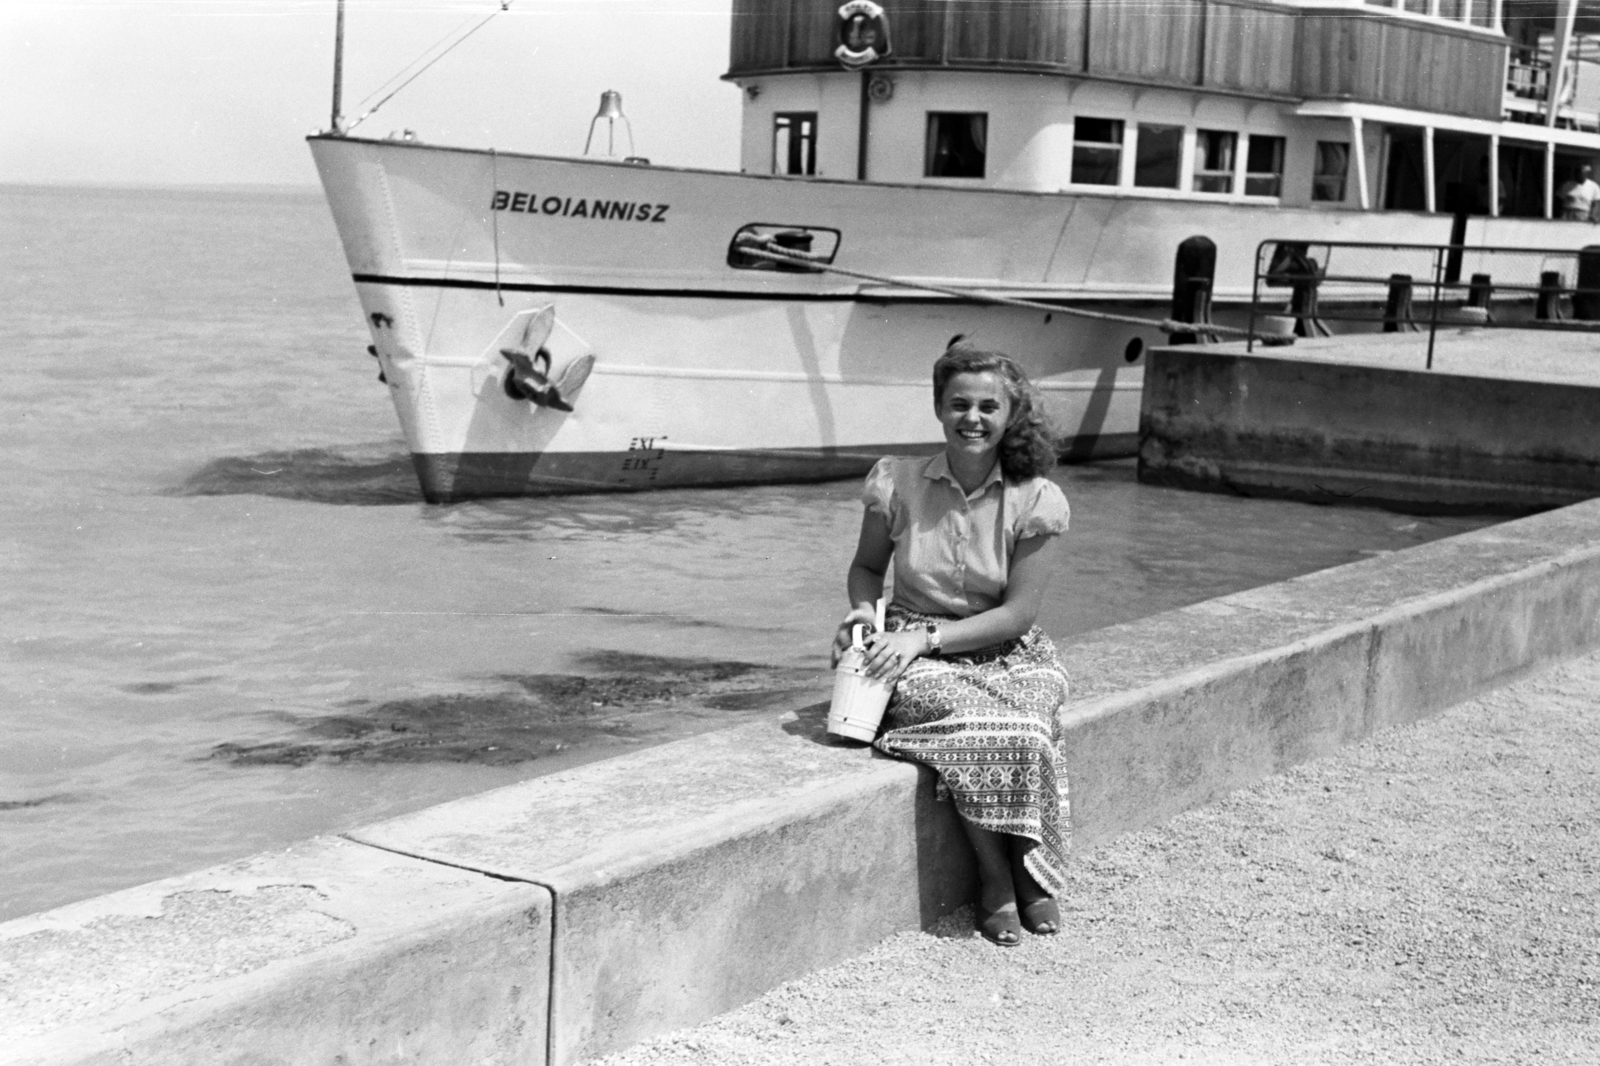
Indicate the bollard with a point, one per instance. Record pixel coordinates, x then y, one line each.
1549 306
1193 270
1479 293
1586 298
1397 308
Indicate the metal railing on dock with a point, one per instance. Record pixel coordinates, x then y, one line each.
1411 287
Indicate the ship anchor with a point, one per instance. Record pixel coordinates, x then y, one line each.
529 377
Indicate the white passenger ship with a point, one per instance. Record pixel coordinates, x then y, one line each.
1054 150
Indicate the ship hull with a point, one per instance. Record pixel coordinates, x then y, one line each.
705 373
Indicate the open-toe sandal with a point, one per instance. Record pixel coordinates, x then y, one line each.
1041 912
999 927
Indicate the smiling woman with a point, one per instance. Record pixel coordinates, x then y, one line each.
978 685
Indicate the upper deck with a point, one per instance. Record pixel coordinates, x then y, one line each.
1476 106
1452 62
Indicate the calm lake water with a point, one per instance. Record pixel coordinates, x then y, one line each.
229 621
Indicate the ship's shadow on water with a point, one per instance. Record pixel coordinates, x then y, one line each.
629 699
361 476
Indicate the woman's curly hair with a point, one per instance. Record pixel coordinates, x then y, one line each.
1027 448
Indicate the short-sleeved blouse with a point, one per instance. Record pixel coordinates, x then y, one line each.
952 551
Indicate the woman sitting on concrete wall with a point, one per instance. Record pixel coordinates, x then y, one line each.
972 533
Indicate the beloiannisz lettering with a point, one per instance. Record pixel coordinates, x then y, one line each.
566 207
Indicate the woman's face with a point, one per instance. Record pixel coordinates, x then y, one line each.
974 411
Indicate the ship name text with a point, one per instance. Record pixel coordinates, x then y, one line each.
567 207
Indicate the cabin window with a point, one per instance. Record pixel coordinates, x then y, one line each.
1460 173
1096 151
957 144
1405 186
1328 171
1213 160
1157 158
794 142
1263 167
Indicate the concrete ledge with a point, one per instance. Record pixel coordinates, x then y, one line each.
327 953
1188 705
666 886
692 876
1328 422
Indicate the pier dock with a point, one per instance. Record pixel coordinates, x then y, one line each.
1505 420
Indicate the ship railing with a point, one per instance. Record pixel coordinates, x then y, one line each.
1317 288
1528 77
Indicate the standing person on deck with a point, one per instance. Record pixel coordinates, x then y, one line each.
1579 196
972 534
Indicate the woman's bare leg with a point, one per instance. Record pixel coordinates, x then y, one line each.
996 892
1028 890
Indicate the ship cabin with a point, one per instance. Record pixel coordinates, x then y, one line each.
1344 105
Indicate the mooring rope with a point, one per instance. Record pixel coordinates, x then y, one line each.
764 250
494 180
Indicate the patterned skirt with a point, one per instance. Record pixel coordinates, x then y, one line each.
987 721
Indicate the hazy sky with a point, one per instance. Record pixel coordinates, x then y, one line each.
222 91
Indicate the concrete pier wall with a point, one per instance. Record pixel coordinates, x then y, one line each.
329 952
1328 425
570 915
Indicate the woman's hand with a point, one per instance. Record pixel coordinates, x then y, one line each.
888 654
841 639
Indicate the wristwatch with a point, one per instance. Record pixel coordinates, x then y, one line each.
933 639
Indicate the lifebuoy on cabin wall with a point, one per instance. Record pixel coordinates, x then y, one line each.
863 34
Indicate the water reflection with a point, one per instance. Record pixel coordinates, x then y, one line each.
37 801
621 515
356 475
628 699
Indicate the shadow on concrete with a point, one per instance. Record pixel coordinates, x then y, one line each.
947 870
811 723
360 475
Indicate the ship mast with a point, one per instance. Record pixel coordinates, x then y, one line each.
338 68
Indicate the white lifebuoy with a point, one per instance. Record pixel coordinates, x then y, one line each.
863 34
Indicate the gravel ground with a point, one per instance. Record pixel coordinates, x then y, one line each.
1426 897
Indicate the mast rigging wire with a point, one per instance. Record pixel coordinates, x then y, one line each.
505 5
403 71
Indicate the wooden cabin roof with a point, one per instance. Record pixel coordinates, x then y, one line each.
1255 47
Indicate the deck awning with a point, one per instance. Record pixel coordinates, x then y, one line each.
1399 116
